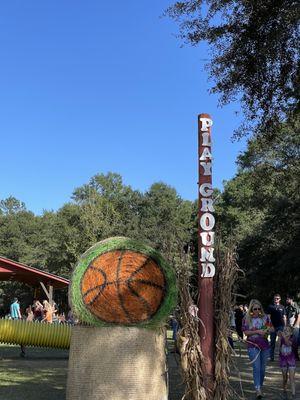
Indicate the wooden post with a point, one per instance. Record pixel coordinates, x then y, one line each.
45 290
51 294
205 249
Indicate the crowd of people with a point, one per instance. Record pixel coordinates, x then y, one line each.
252 324
257 325
40 312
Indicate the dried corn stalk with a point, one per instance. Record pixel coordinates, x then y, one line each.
227 272
188 340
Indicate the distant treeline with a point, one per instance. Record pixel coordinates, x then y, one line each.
258 210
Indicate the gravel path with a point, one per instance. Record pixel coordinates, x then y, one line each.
273 382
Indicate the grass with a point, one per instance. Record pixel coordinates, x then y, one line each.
42 374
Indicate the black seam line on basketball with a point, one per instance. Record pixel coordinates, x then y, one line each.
103 286
82 277
104 283
104 307
142 281
141 267
141 298
90 305
96 268
118 288
148 283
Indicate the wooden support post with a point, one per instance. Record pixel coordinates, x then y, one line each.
51 294
205 250
45 290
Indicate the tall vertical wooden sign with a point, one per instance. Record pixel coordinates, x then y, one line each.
206 246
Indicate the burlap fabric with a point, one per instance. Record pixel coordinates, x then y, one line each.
116 363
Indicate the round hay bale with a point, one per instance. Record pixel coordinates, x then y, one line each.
122 281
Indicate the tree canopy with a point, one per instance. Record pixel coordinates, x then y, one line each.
260 209
255 52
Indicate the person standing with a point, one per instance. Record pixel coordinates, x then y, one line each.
49 310
287 359
15 313
232 328
278 317
29 314
256 326
239 315
38 311
293 320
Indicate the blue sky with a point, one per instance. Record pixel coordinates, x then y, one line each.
88 87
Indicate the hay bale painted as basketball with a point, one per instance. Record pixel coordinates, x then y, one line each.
122 281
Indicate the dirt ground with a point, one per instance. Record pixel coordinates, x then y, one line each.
43 375
273 382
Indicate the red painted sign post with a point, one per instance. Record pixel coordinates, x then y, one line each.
206 238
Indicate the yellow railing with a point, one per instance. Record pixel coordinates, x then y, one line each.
37 334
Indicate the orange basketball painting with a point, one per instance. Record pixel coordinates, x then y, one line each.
123 282
123 287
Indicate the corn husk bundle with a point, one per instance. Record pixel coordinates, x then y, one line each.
227 272
188 341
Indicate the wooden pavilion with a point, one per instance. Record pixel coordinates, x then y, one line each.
14 271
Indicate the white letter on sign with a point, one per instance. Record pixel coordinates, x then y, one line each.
208 238
205 124
205 139
206 189
207 254
208 270
207 221
207 205
207 167
206 154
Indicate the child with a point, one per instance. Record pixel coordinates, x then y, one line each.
287 359
29 314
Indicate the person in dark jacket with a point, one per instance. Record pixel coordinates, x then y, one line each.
239 315
278 317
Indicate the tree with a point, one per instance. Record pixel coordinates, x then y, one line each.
11 205
260 208
255 52
109 207
166 219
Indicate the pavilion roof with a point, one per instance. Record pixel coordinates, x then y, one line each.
14 271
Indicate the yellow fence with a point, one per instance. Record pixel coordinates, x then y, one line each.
35 334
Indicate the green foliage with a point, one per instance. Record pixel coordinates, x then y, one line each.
260 209
166 220
102 208
11 206
255 51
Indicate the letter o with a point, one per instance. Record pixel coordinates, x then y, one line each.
207 221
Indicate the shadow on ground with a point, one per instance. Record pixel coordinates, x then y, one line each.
42 374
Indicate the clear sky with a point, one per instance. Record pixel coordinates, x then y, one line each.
92 86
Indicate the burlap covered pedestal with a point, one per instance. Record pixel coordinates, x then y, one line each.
116 363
